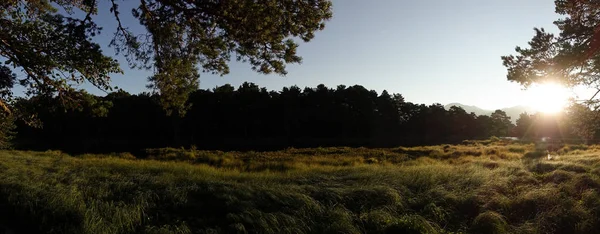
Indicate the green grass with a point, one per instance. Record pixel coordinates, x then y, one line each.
489 187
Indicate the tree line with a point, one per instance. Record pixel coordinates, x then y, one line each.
578 123
248 118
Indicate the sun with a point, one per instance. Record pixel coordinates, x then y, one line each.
547 97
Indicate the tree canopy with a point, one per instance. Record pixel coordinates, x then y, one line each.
571 57
55 49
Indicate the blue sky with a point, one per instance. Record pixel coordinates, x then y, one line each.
428 51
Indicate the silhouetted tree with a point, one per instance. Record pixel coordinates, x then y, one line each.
485 126
524 127
501 124
585 122
462 124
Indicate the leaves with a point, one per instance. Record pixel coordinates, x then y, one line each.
55 51
184 34
570 58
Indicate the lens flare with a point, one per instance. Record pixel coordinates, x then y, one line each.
547 97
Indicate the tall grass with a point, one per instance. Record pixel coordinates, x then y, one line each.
475 187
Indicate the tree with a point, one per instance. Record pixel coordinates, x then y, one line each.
584 121
524 126
7 124
501 123
463 124
570 58
484 126
7 130
7 82
55 50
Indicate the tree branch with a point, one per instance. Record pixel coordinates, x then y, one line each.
119 24
594 95
88 16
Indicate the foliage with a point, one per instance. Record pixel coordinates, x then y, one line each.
7 130
7 82
435 189
570 57
584 121
501 123
51 41
524 125
7 118
577 123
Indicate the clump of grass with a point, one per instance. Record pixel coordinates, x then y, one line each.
491 165
492 151
542 167
365 199
411 224
489 222
575 147
516 149
535 154
574 167
558 177
123 155
371 160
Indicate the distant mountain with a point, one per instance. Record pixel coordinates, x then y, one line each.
513 112
469 109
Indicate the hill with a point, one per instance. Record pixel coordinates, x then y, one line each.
512 112
469 109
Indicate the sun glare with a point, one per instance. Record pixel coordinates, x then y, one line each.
548 97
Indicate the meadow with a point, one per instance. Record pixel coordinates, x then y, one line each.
475 187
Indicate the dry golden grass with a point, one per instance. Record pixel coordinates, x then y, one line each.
477 187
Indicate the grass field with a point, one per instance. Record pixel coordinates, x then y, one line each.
479 187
